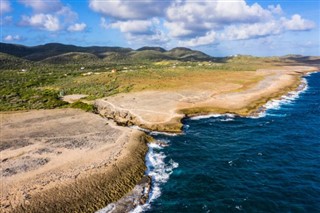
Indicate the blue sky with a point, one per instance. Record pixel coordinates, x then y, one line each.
217 27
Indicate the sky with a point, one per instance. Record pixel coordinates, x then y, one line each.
216 27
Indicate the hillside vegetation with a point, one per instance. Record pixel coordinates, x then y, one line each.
37 77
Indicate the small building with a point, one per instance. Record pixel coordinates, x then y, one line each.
82 68
23 70
113 70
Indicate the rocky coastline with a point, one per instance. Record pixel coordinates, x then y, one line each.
120 184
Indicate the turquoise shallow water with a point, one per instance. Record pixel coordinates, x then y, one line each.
232 164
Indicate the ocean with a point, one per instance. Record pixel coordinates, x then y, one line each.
224 163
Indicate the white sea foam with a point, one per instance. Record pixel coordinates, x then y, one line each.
226 119
159 171
205 116
228 115
107 209
164 133
273 104
283 100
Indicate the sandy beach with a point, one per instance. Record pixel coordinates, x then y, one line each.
67 160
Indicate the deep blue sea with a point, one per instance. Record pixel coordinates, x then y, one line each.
234 164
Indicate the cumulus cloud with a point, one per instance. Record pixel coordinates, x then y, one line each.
195 23
296 23
247 31
67 15
275 9
124 9
51 16
209 38
134 26
178 29
42 6
42 21
194 17
158 37
137 30
5 6
11 38
272 27
78 27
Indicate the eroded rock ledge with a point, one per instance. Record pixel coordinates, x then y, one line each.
124 117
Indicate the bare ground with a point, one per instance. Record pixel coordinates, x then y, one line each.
162 110
47 150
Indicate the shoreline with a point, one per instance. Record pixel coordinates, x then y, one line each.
128 173
260 111
303 86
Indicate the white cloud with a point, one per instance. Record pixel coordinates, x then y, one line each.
42 21
5 6
78 27
209 38
156 38
51 16
247 31
133 26
42 6
277 10
67 15
177 29
10 38
138 30
195 23
199 17
124 9
296 23
272 27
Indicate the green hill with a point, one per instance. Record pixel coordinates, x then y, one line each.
56 53
183 53
72 58
41 52
151 55
9 62
159 49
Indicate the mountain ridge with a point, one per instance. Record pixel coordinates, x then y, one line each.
49 50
